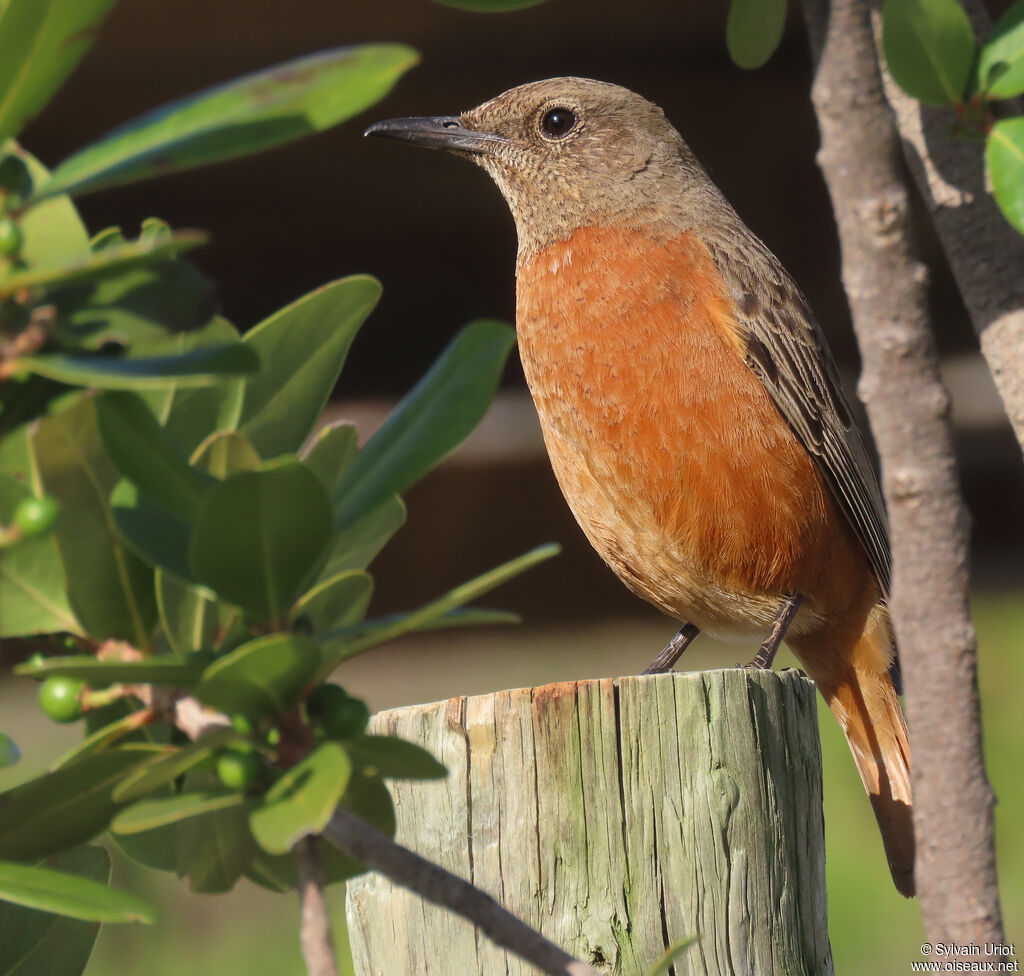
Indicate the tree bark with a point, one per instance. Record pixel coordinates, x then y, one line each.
616 818
908 407
985 253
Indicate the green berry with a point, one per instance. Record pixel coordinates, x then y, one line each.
324 698
273 736
239 769
242 724
14 176
35 516
336 712
60 698
346 720
10 237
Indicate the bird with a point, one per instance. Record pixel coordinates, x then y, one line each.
690 405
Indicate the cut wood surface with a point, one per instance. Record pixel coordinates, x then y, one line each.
615 817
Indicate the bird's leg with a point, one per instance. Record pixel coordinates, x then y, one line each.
764 657
673 650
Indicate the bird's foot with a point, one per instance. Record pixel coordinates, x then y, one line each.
762 660
673 650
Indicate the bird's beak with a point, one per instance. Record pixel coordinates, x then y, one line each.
437 132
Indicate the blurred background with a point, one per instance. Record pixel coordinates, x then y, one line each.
438 235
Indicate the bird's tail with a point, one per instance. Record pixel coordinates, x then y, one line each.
856 683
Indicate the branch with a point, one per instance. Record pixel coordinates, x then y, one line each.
985 253
908 407
370 847
315 927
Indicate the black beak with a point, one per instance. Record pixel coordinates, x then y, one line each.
437 132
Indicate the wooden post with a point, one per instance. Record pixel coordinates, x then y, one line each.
616 817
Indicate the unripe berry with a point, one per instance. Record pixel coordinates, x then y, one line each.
35 516
59 698
11 237
239 769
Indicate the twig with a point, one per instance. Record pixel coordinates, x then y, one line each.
370 847
32 338
909 411
985 253
315 931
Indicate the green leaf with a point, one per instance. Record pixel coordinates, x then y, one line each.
15 457
32 588
109 589
64 893
93 265
189 618
266 676
384 755
302 800
101 738
429 423
361 637
929 48
53 231
165 769
276 872
31 940
336 602
191 414
489 6
302 349
670 955
753 30
157 537
132 306
41 42
62 809
161 811
357 545
156 849
368 798
260 535
147 455
9 751
98 674
1000 70
200 367
331 451
226 453
1004 159
215 849
261 110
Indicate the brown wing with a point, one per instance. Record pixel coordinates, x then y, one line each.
788 351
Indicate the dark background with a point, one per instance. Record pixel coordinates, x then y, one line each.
438 234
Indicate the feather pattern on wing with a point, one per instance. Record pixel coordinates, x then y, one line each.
787 349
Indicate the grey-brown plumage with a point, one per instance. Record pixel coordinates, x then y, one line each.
628 148
690 406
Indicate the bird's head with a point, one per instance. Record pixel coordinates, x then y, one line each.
568 153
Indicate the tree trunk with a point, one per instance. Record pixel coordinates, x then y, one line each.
908 406
985 254
615 817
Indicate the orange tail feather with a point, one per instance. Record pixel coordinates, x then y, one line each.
855 683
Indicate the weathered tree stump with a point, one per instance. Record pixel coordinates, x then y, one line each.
616 817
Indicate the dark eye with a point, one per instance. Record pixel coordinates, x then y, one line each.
558 122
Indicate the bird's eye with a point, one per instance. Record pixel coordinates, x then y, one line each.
558 122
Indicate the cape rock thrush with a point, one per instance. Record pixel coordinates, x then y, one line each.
690 405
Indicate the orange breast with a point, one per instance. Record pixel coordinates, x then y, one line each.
670 452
